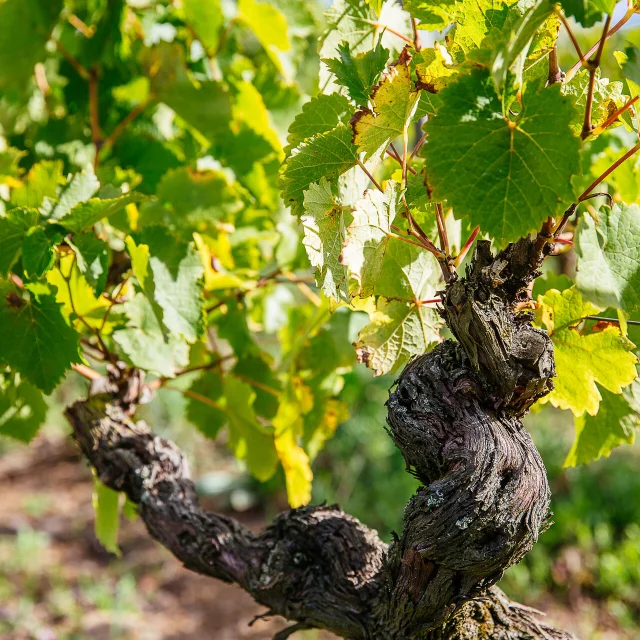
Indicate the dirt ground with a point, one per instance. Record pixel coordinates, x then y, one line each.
58 583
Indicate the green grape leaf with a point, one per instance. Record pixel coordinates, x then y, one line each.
358 73
583 357
80 188
588 12
321 114
327 155
324 235
507 175
206 405
85 214
206 19
39 186
38 250
170 273
43 345
26 28
368 236
92 258
22 408
249 440
609 257
144 344
597 436
13 228
394 103
288 425
72 286
401 327
106 506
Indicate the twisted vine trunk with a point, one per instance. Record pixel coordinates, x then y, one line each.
455 416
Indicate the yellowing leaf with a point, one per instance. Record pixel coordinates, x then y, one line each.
295 462
583 357
394 104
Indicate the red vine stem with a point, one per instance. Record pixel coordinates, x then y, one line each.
610 170
466 247
593 66
614 116
627 16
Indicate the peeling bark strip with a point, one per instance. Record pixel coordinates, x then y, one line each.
455 416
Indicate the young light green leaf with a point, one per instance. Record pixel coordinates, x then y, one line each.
249 440
206 19
609 257
39 186
394 103
326 155
80 188
358 73
22 408
144 344
267 23
368 236
507 175
106 506
170 273
324 235
85 214
597 436
42 345
583 357
13 228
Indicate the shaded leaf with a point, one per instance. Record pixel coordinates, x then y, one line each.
43 345
507 175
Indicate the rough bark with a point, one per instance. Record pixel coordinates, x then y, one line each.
455 416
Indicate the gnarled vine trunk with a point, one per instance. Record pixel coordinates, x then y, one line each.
455 416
